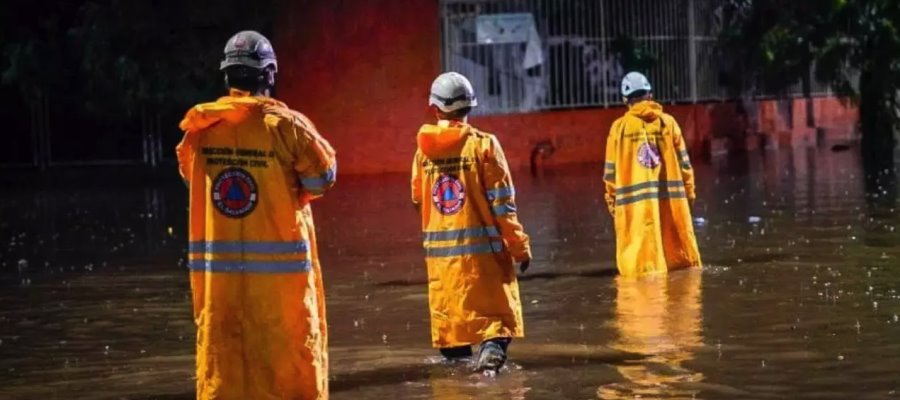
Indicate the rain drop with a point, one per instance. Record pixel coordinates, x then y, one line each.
840 357
384 338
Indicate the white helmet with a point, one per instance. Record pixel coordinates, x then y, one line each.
633 82
451 91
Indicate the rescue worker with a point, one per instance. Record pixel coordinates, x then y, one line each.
462 187
649 186
252 166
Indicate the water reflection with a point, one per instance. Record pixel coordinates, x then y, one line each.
513 386
662 319
801 301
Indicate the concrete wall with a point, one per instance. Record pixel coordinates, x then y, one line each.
361 70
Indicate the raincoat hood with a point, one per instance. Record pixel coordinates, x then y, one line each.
647 110
435 139
234 108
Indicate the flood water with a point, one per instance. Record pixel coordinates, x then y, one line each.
799 298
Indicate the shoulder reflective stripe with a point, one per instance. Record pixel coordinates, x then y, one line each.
316 185
249 247
649 184
610 166
609 177
459 234
503 209
249 266
481 248
651 195
501 193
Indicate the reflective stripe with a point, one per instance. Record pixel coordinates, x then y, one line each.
217 246
651 195
503 209
501 193
481 248
662 185
249 266
685 159
317 185
459 234
609 171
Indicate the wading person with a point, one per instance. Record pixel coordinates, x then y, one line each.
462 187
252 166
649 186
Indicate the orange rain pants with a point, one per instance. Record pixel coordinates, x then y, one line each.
252 166
649 188
463 189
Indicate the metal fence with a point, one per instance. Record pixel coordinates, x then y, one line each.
529 55
52 137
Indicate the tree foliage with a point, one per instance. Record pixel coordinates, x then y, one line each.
112 57
853 45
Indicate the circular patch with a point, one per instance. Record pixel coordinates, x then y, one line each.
448 195
648 155
234 193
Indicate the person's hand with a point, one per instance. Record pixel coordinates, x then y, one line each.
523 266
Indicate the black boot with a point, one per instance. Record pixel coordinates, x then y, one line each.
492 354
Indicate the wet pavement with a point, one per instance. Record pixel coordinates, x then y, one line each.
799 298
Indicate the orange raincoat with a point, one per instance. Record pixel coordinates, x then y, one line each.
649 187
252 166
462 186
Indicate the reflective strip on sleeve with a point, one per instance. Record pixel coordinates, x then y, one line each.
501 193
503 209
455 251
237 266
216 246
685 159
609 171
318 185
460 234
